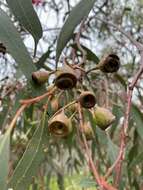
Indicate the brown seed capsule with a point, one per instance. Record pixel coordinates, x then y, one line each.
60 125
103 117
66 78
87 99
88 132
40 77
109 63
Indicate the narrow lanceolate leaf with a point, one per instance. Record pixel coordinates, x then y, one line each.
138 159
31 159
90 55
41 62
26 15
15 46
112 150
79 12
138 118
4 159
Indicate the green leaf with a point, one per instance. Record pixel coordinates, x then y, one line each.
91 56
132 153
138 118
118 112
121 80
40 63
102 137
79 12
138 159
26 15
112 150
4 159
31 159
87 183
15 46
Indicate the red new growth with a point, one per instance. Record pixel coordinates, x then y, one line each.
37 2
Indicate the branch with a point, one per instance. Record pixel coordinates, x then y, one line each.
118 162
77 40
126 123
138 45
38 98
19 111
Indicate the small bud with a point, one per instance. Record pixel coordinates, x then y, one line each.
54 104
87 99
88 132
60 125
40 77
73 107
66 78
109 63
103 117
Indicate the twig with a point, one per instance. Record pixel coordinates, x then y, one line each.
19 111
118 162
77 40
63 108
138 45
126 123
38 98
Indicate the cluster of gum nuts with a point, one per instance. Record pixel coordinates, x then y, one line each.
66 77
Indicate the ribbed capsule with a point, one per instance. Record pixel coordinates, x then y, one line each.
109 63
66 78
103 117
40 77
87 99
60 125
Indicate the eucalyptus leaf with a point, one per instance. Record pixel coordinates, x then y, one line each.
4 159
87 183
26 15
138 118
15 46
40 63
90 55
79 12
137 160
121 80
112 150
31 159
